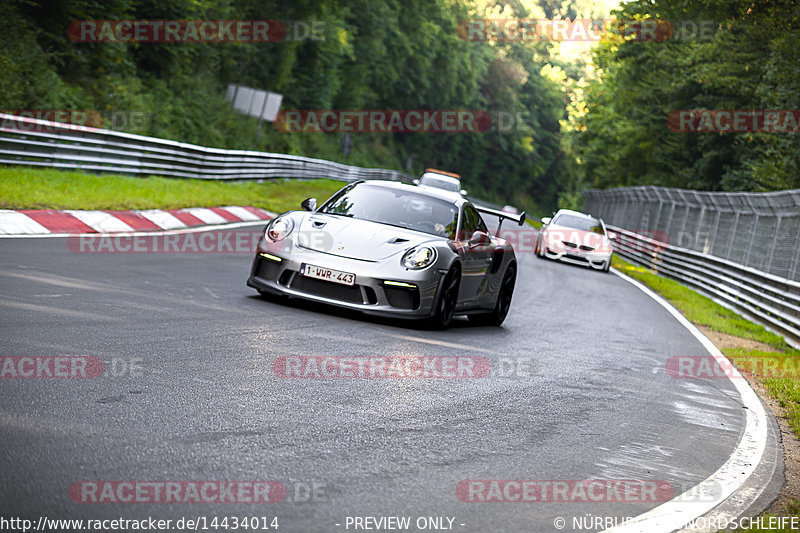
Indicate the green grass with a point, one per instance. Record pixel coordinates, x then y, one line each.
35 188
777 372
783 384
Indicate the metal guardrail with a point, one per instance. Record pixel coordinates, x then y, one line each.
764 298
759 230
41 143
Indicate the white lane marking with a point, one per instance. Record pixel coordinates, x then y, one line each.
14 222
441 343
741 464
240 212
70 313
56 425
101 221
197 229
162 219
206 215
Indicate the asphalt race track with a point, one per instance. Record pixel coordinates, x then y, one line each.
189 393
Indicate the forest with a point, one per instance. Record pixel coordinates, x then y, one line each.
748 61
562 117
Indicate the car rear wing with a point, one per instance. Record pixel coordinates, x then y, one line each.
502 215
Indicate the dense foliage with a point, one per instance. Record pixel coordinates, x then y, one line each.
748 62
559 123
376 54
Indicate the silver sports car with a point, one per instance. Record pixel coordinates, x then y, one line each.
391 249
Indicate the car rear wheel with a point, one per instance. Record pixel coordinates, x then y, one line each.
445 306
498 315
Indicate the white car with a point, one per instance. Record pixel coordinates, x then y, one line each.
577 238
441 180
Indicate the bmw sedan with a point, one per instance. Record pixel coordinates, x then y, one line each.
576 238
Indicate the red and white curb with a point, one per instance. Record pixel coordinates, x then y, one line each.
36 222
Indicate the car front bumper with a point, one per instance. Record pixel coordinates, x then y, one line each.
595 260
279 273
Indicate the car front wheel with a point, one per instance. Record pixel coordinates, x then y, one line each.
445 305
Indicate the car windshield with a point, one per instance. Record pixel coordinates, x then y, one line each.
441 183
579 223
396 207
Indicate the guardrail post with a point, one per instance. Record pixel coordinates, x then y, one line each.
768 263
715 230
795 257
700 220
746 257
654 224
668 226
733 235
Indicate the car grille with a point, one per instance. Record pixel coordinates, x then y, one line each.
576 258
326 289
402 298
267 269
574 245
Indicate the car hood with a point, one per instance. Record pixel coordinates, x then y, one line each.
355 239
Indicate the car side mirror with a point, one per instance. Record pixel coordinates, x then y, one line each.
612 235
546 220
415 182
463 192
309 204
479 238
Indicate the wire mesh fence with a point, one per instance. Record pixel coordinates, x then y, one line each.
758 230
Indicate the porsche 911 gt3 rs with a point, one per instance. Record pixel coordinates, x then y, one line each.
391 249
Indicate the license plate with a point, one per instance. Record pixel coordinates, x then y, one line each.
328 274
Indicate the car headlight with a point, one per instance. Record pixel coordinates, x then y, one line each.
279 228
419 258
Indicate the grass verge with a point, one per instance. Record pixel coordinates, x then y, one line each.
763 357
44 188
